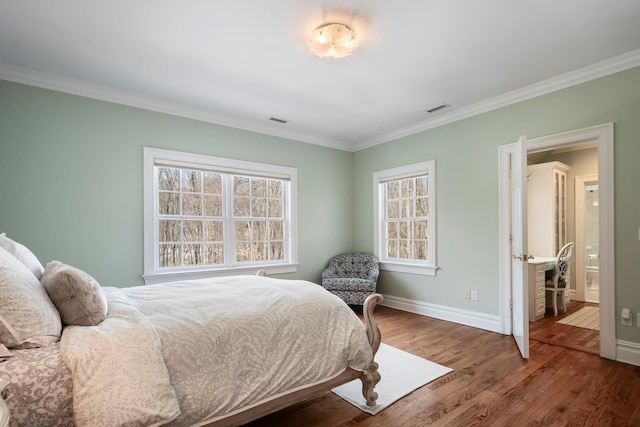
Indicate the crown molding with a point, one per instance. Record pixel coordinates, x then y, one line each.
104 93
599 69
90 90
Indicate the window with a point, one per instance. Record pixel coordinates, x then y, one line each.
206 215
404 218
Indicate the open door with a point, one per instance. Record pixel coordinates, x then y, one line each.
519 266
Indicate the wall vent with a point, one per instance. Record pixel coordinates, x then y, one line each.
438 108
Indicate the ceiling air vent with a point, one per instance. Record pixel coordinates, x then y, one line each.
274 119
438 108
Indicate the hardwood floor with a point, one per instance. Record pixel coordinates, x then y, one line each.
491 385
548 331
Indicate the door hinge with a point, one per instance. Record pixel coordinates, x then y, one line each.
511 304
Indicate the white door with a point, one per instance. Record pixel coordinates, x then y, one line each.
519 265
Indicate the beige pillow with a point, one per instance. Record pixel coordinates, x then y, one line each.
77 296
27 315
23 254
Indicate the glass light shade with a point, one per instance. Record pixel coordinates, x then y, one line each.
333 41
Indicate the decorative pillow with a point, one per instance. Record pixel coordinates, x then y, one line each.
77 296
23 254
27 315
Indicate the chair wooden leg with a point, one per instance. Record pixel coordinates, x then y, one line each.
555 303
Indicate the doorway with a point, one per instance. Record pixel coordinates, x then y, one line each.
603 135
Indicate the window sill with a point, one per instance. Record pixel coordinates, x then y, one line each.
422 270
171 276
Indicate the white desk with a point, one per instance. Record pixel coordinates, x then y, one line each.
538 271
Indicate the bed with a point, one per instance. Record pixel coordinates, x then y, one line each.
215 352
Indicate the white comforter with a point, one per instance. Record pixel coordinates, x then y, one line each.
193 351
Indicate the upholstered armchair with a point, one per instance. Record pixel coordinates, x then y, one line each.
351 276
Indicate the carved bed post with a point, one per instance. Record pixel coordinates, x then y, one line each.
371 377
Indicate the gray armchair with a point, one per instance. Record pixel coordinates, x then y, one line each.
351 276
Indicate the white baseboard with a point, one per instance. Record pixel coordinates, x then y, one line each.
628 352
456 315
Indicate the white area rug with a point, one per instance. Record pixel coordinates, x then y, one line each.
400 372
586 317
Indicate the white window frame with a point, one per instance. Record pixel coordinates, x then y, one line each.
413 266
160 157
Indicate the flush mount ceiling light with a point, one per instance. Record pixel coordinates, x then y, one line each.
333 41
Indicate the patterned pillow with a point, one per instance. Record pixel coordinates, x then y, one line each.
27 315
77 296
23 253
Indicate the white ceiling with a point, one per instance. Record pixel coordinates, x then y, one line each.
241 62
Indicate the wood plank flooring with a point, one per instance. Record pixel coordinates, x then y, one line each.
548 331
491 385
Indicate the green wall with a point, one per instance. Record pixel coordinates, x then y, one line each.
71 184
466 155
71 180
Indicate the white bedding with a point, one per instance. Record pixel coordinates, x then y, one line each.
195 351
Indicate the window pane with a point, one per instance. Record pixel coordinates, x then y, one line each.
275 189
393 209
243 251
170 255
422 206
422 186
276 250
406 186
192 204
276 230
241 186
214 231
215 253
241 206
392 249
407 208
259 251
212 205
258 187
191 181
392 230
259 230
420 250
259 208
420 229
275 208
169 231
405 249
405 230
169 203
193 231
212 182
393 190
193 254
243 230
168 179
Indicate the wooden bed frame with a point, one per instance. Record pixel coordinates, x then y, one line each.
369 379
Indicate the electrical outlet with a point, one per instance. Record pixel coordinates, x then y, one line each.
625 317
638 320
467 294
474 295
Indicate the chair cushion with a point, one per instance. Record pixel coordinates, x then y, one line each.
349 284
361 265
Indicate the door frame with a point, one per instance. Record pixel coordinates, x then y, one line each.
603 134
